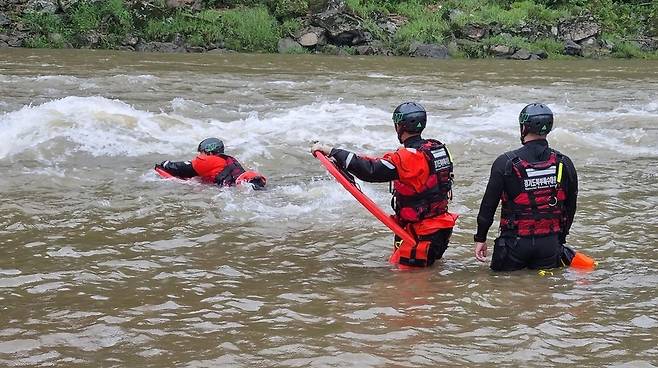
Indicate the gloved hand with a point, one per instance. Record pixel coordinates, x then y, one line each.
162 165
324 148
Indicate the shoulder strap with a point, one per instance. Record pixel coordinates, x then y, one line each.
512 158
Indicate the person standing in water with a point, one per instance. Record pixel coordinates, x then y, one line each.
213 166
538 188
422 176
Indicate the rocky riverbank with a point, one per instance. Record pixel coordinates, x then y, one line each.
524 30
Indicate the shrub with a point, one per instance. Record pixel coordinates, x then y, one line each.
110 18
627 50
284 9
250 29
290 27
41 26
622 19
429 28
201 28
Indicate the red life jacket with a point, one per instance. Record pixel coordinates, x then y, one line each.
219 169
424 186
539 208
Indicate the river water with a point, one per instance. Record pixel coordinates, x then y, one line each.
105 265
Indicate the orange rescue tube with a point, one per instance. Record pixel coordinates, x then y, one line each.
583 262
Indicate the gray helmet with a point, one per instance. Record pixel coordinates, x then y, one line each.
536 118
411 117
211 146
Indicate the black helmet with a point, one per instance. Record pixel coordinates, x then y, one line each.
411 117
211 146
536 118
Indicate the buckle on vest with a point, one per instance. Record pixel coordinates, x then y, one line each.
552 201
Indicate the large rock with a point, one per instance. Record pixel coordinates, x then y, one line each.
285 45
390 23
374 48
579 29
42 6
572 48
14 38
4 20
175 4
311 36
168 47
474 32
521 54
429 50
501 50
342 28
648 44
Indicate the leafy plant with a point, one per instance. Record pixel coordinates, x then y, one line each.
284 9
43 25
250 29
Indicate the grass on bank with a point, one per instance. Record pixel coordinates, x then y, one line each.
256 25
241 29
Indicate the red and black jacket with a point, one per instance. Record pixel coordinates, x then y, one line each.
222 170
421 173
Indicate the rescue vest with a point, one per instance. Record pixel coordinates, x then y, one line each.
222 170
538 209
425 179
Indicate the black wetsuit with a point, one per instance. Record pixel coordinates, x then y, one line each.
379 171
510 251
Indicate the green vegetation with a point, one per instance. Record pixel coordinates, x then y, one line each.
256 25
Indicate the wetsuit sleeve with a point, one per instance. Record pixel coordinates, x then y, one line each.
571 188
179 169
491 198
375 170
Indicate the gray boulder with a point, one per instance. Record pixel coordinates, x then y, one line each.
474 32
42 6
311 36
579 29
285 45
168 47
521 54
4 20
417 49
14 38
390 23
572 48
342 28
175 4
501 50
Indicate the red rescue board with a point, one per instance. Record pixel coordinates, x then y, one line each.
363 199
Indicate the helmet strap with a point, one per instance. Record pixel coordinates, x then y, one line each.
524 132
399 131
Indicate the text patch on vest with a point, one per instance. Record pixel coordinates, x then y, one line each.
540 179
441 159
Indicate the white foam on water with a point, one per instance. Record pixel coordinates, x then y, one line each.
104 127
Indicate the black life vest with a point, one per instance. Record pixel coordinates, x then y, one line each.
413 204
230 173
538 209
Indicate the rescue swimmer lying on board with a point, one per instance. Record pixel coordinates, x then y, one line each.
212 166
421 173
